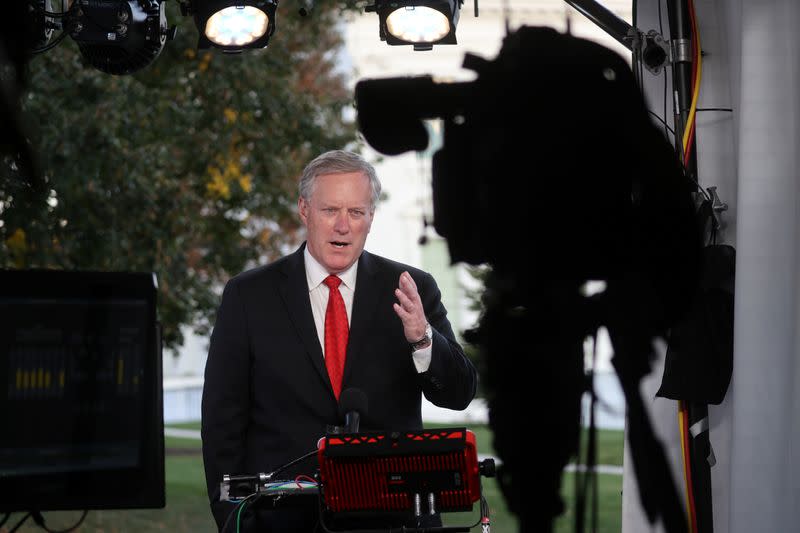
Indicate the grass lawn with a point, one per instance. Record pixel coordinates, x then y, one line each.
609 488
187 508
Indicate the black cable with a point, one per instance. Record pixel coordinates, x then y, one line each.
590 476
507 16
590 479
53 14
321 510
664 120
641 67
595 499
37 517
480 518
258 495
634 20
484 510
700 189
236 510
636 49
19 524
292 463
52 43
586 483
55 42
727 109
661 32
661 120
579 486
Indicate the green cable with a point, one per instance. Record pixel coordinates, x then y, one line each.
239 514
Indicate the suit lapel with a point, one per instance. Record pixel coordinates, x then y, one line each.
365 302
295 296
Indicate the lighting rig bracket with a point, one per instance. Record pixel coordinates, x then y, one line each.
655 50
117 37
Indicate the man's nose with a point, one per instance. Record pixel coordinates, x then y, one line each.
342 224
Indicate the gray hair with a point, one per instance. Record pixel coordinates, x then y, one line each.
338 162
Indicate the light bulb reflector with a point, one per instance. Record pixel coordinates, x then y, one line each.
236 25
418 24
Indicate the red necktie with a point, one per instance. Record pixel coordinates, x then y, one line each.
336 332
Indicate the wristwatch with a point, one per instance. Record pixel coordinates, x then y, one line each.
425 341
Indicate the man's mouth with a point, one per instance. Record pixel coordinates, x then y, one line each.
339 244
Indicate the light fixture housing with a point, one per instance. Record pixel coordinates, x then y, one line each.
419 23
234 25
119 36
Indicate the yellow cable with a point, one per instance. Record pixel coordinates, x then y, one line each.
696 88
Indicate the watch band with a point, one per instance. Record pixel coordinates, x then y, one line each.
425 341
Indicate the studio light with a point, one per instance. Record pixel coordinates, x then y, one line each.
119 37
234 25
420 23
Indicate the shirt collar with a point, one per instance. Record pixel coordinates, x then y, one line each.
316 273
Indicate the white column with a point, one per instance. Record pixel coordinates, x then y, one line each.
765 466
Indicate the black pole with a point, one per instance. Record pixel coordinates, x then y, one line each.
605 19
680 34
680 28
658 493
701 458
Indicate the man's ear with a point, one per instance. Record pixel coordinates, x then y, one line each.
302 208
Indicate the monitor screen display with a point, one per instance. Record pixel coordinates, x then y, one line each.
80 364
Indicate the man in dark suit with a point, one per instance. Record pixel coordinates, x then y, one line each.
290 336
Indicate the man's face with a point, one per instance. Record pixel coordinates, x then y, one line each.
337 218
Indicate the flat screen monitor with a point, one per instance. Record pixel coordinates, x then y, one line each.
81 400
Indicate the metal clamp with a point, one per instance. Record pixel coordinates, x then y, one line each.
656 53
717 206
681 51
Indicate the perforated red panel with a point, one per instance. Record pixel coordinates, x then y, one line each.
382 471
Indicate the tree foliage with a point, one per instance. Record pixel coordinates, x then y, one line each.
188 168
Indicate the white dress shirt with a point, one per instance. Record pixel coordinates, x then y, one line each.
318 293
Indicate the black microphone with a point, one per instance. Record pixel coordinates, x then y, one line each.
352 406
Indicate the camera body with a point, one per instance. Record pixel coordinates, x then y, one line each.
553 173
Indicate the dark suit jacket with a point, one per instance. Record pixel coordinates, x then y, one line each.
267 398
